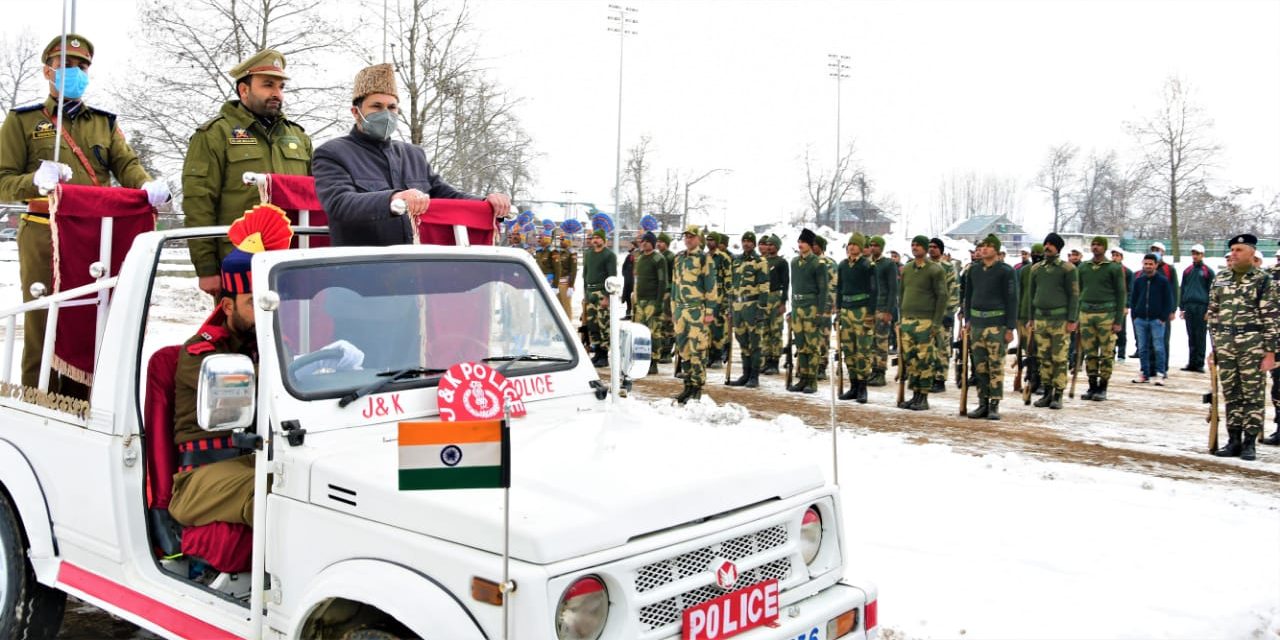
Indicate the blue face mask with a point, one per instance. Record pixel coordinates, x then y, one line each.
71 82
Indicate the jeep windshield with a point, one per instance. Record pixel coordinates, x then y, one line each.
352 327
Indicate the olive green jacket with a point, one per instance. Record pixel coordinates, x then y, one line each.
220 152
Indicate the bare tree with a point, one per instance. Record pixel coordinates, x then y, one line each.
19 70
636 174
1055 175
1093 176
1120 191
963 196
1177 150
827 187
702 201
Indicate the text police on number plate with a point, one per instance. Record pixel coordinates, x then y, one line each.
732 613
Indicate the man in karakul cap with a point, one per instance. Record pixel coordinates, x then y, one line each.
695 298
28 173
942 352
924 304
824 324
1103 296
855 301
358 175
1244 316
990 308
598 264
1197 279
1055 305
886 303
809 300
249 134
750 300
651 276
779 285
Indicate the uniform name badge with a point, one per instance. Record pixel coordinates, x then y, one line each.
240 135
43 129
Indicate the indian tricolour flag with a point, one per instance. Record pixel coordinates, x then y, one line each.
454 455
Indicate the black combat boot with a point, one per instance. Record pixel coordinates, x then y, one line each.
877 379
601 358
1273 439
653 367
798 386
714 359
684 395
695 394
1100 393
1044 401
741 381
852 393
810 385
1093 386
906 404
862 392
921 403
822 370
993 411
770 367
983 410
1233 447
753 380
1247 451
1056 401
939 385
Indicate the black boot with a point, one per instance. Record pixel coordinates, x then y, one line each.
983 410
852 393
600 359
741 381
822 370
1247 451
798 386
939 385
877 379
770 367
753 380
653 367
1093 386
862 392
1273 439
1100 393
993 412
906 404
921 403
1233 447
1044 401
1056 401
684 395
714 360
810 385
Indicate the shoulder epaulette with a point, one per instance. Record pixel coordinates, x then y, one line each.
28 108
103 112
208 339
210 122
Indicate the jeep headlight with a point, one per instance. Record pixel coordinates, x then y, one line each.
810 534
583 610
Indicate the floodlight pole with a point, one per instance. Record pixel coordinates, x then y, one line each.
838 67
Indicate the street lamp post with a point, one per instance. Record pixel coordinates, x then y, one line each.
838 65
620 16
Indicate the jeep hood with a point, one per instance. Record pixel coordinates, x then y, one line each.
581 482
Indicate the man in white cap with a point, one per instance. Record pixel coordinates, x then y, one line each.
1165 269
1197 279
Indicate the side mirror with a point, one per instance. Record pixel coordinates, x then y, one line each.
636 349
226 394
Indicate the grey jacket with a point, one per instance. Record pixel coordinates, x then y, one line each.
355 179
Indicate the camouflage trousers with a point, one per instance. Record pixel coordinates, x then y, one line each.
649 314
692 339
597 318
805 331
919 341
824 326
880 360
746 329
987 347
1243 382
720 331
1098 342
668 328
857 341
942 351
1051 351
771 331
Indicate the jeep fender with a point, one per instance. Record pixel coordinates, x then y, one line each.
18 479
411 597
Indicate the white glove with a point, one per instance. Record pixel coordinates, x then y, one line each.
352 358
157 192
50 174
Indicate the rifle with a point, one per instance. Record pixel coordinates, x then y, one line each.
1211 398
728 350
964 380
902 364
1075 369
791 339
1031 341
1017 380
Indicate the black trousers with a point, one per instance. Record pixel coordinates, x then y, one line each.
1197 331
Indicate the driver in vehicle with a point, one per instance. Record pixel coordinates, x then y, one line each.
214 482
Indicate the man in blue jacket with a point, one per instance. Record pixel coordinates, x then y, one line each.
1151 302
1194 303
361 173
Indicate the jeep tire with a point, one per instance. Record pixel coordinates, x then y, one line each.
28 609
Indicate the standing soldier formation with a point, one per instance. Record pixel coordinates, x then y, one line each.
824 322
750 294
722 266
886 303
1055 302
651 277
856 308
946 333
1103 293
597 264
990 310
924 302
695 297
779 285
809 299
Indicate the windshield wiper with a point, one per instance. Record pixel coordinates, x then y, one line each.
528 357
389 378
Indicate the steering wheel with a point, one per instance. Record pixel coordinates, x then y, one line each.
332 353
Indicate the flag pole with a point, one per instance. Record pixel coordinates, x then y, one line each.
507 587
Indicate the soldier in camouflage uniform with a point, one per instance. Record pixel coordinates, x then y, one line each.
696 299
665 341
945 339
886 302
809 300
1055 304
750 294
990 310
1244 317
566 272
651 277
722 266
856 303
1103 295
1274 438
924 302
598 264
1025 338
824 323
779 284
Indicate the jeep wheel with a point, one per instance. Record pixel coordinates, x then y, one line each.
28 609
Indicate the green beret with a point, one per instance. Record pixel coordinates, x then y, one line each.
599 233
1100 240
1037 248
749 236
921 240
858 239
877 241
822 242
992 240
664 238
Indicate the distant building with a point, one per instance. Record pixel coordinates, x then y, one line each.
1012 236
859 216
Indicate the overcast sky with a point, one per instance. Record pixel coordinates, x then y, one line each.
935 88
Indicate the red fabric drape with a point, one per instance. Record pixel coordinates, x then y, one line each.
436 225
295 194
76 225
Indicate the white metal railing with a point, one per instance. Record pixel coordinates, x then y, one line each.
53 303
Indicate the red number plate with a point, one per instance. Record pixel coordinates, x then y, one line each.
732 613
